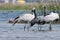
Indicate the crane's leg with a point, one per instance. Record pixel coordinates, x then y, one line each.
28 27
50 28
24 27
38 27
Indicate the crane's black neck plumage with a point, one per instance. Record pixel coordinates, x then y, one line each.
44 11
32 21
34 11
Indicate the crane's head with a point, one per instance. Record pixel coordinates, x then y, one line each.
33 9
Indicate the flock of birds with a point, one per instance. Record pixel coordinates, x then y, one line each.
33 19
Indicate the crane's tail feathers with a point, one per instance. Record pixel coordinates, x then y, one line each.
15 22
31 25
16 18
43 22
56 20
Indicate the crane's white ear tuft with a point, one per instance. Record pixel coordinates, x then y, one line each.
33 8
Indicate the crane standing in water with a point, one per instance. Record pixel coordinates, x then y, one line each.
40 20
44 19
26 17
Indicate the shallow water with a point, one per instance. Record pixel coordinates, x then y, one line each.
9 32
16 32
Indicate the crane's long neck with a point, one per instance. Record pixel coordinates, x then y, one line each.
44 11
35 14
